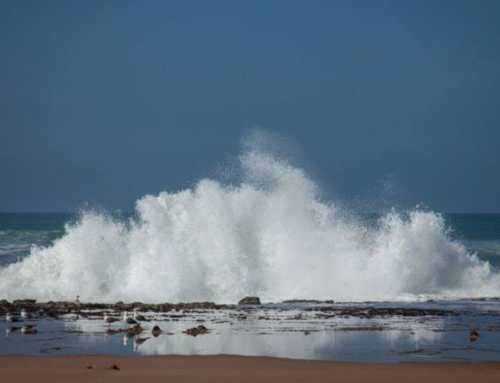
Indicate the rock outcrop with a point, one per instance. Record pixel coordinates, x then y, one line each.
249 301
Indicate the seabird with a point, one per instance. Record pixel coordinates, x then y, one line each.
25 314
138 316
127 319
11 318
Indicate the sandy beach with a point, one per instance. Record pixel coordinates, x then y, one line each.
232 368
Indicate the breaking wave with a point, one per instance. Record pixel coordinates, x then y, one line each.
270 234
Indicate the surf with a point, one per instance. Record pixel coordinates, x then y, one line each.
266 232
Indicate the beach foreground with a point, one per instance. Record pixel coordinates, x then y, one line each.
233 368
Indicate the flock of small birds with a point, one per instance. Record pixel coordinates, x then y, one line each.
24 317
134 320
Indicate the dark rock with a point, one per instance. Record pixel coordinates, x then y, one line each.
200 330
250 301
111 331
22 302
474 335
371 312
131 321
115 367
135 330
156 331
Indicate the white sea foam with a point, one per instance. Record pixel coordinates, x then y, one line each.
269 235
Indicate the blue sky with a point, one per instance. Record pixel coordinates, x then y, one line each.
102 102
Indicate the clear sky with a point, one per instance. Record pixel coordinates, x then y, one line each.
104 101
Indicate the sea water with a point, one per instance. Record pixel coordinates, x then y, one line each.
268 232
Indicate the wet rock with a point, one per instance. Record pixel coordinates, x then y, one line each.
195 331
22 302
250 301
130 321
371 312
111 331
135 330
156 331
55 309
474 335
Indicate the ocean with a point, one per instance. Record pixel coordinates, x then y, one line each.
267 232
20 233
401 285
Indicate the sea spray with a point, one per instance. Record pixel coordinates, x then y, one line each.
270 234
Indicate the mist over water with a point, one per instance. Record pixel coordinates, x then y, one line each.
268 234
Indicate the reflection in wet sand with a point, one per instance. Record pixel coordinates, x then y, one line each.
304 332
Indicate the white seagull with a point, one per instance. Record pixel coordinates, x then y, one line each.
25 314
127 319
137 316
11 318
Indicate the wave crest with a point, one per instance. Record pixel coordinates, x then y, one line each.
269 235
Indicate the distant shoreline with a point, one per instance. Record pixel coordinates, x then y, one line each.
151 369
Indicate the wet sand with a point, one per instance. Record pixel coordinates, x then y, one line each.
152 369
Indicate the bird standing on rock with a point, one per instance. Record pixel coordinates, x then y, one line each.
127 319
137 316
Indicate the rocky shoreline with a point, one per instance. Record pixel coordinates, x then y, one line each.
312 329
53 309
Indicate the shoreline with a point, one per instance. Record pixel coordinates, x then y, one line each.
54 309
226 368
308 330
